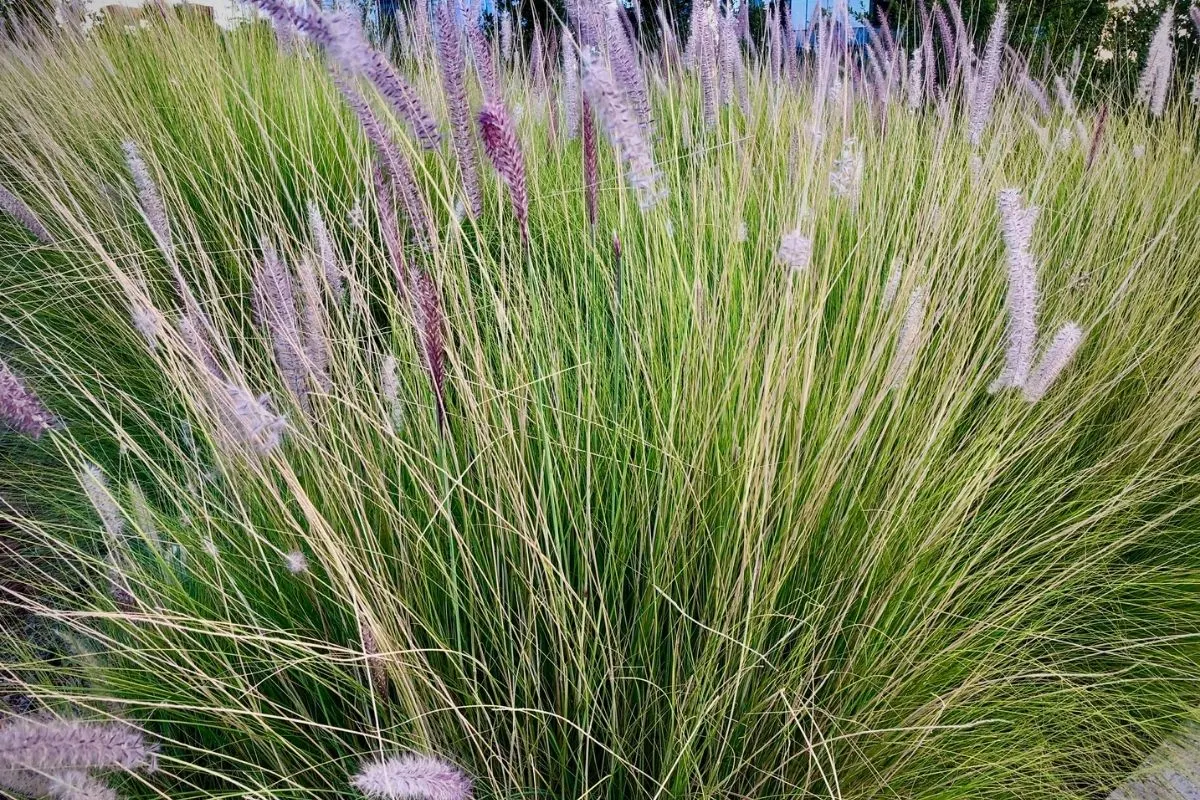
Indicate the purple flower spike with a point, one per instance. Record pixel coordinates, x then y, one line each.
412 777
500 143
20 408
450 58
16 208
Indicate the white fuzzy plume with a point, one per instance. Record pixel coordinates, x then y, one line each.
412 777
1017 224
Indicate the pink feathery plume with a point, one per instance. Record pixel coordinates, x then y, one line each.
537 56
412 777
795 251
1097 135
341 34
949 45
481 57
1058 355
623 131
454 83
591 180
570 86
706 63
324 244
1017 227
20 408
983 93
61 785
909 337
150 200
16 208
274 301
429 321
506 37
59 744
450 58
624 57
397 167
500 143
314 344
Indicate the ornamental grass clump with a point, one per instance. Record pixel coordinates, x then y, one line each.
672 472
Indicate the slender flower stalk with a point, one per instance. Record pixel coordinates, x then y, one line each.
20 408
1058 355
591 180
983 93
150 201
412 777
1022 300
500 143
454 84
16 208
623 131
64 744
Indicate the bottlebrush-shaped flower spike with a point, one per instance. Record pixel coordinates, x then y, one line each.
909 338
15 207
893 283
500 143
58 744
63 785
274 300
506 37
20 408
1022 299
1058 355
591 180
389 387
370 646
983 93
95 486
312 328
624 58
916 81
795 251
150 201
1155 81
623 131
570 87
481 56
454 84
846 178
249 419
324 244
396 167
412 777
341 34
427 316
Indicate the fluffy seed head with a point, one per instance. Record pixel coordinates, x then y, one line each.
1058 355
795 250
150 201
412 777
983 93
20 408
501 145
15 207
57 744
296 562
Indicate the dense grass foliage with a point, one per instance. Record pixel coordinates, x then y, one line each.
692 528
